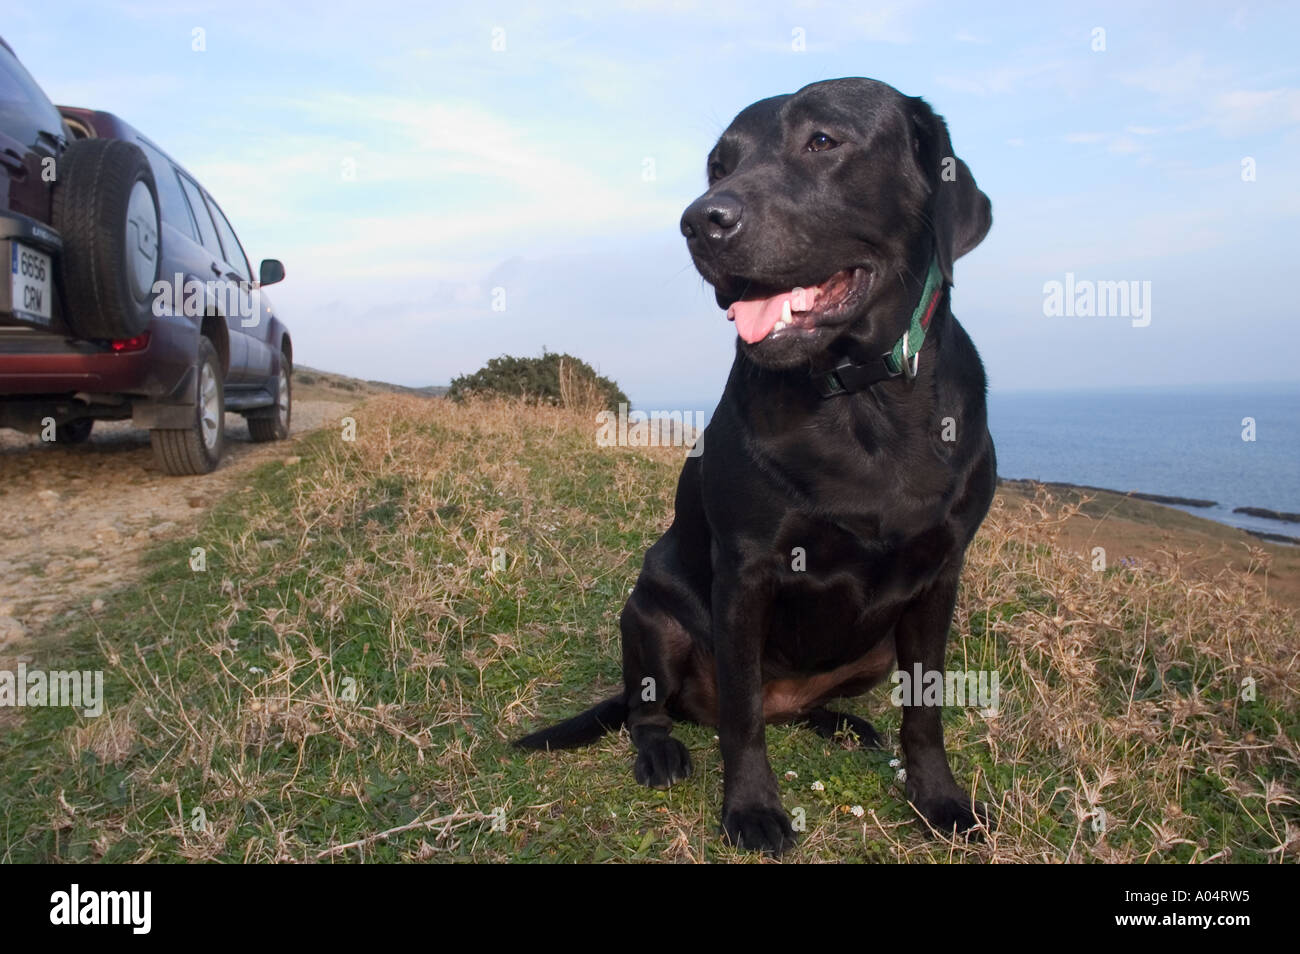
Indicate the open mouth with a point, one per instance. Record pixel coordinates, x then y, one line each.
765 312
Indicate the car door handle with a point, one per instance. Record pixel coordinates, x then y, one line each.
14 160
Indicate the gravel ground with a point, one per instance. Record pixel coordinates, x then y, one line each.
74 520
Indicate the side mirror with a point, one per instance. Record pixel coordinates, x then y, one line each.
272 271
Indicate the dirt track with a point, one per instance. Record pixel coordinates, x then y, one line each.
74 520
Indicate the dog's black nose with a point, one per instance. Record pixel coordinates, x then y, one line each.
712 217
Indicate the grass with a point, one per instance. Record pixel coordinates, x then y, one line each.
343 680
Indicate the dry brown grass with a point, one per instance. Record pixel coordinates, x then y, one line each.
464 564
1130 686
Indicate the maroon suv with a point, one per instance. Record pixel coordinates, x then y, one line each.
124 291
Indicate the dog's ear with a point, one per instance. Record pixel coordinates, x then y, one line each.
959 213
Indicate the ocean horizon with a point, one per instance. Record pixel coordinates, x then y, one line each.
1175 442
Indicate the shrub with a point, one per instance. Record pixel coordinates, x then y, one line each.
557 379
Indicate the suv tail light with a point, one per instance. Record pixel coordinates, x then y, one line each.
138 343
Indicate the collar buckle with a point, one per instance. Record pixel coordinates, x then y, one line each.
828 384
847 377
911 361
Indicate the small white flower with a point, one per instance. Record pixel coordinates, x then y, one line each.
255 669
818 787
895 763
858 811
902 775
791 776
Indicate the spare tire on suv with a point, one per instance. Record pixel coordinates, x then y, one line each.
106 209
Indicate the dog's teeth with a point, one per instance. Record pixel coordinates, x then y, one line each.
786 315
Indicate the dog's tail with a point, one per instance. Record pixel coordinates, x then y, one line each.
582 729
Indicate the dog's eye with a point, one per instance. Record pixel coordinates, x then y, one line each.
820 142
716 171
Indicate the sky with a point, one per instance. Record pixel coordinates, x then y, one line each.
449 182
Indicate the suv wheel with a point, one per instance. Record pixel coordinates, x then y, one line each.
273 423
197 449
106 209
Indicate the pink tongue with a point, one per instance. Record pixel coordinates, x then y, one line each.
756 317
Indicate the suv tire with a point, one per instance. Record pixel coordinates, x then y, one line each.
106 209
272 424
197 449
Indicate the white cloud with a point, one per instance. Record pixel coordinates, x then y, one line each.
1183 77
1115 143
998 79
447 180
1208 89
882 23
1241 112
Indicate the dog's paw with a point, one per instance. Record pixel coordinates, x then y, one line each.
850 727
758 828
956 814
661 761
841 726
868 737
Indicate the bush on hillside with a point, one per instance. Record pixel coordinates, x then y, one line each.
556 379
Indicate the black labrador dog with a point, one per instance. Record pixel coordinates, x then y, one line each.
818 539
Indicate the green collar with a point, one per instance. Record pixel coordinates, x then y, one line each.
847 377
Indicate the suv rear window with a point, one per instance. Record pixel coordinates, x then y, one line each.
24 110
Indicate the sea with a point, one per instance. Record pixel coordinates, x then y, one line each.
1238 446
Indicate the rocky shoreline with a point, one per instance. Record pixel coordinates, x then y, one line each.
1137 495
1262 512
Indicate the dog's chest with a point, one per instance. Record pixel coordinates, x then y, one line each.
837 592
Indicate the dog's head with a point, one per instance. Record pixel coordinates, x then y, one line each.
823 211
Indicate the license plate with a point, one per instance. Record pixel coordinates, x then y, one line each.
32 282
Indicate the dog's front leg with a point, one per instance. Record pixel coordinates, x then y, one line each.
921 637
650 678
752 815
